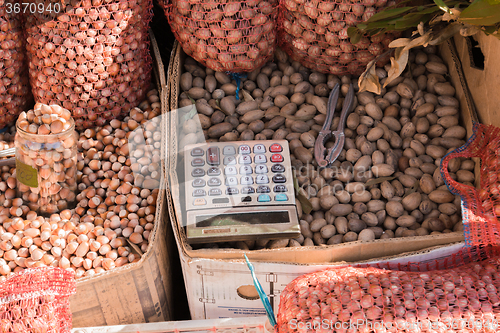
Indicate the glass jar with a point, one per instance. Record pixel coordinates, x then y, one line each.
46 169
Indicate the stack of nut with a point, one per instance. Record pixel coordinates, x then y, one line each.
15 94
116 202
386 182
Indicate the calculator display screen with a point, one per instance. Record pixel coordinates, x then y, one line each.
242 219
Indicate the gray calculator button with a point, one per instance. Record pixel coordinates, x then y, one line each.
231 181
198 172
280 188
259 149
246 170
197 152
258 159
263 189
231 191
245 149
199 182
199 193
261 168
246 180
215 191
230 170
247 190
197 162
279 178
229 150
213 171
278 168
245 159
229 160
214 182
262 179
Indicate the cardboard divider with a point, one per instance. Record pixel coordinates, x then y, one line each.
140 292
212 276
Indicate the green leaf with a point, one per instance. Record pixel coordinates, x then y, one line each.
389 13
490 29
304 202
361 26
426 11
480 12
354 34
442 6
494 2
378 180
385 24
412 21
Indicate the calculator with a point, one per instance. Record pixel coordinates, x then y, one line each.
240 190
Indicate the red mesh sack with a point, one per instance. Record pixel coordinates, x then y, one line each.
459 299
15 94
314 33
37 300
480 208
236 36
91 57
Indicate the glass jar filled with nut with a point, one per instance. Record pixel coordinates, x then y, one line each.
46 158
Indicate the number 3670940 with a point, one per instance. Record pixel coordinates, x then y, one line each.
32 8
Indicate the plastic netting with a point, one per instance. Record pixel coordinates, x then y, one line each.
37 300
15 94
314 33
235 36
480 209
91 57
461 298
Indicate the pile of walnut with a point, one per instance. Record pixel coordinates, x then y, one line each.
400 135
116 202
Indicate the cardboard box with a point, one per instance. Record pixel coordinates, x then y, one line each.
140 292
478 56
233 325
214 277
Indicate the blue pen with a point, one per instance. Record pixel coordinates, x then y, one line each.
262 294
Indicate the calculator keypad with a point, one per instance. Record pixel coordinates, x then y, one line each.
227 174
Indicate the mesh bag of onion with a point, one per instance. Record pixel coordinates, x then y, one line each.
480 208
314 33
460 296
15 94
90 56
36 300
236 36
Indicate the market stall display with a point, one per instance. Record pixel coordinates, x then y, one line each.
458 299
15 94
90 57
116 198
314 33
386 182
37 300
238 36
481 207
